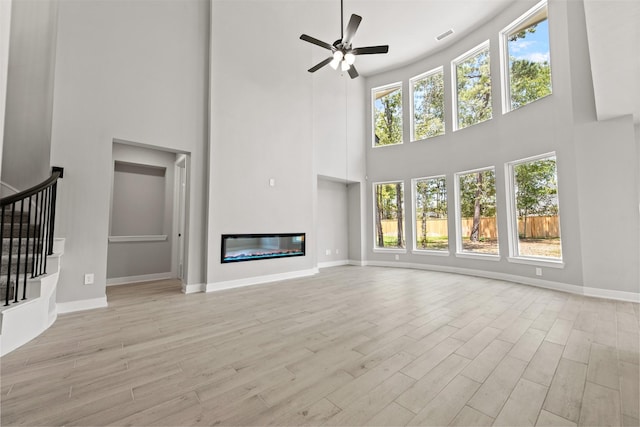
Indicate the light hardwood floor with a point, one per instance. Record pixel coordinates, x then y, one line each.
350 346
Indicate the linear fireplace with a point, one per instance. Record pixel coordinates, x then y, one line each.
250 247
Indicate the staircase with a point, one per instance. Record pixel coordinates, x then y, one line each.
29 264
20 244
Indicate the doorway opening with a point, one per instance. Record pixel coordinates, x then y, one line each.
148 218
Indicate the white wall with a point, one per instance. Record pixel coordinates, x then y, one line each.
261 128
563 122
333 225
5 34
29 103
135 71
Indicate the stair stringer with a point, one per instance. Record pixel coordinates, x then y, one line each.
22 322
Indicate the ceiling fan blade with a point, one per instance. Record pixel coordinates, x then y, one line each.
370 50
351 29
316 41
353 73
320 65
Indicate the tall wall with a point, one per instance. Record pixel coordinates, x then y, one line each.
268 119
595 162
134 71
29 104
5 35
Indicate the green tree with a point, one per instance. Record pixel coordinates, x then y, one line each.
389 206
388 118
536 189
428 106
473 82
477 198
529 80
431 202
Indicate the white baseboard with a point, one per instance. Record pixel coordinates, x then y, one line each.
610 294
81 305
556 286
141 278
193 288
328 264
358 263
250 281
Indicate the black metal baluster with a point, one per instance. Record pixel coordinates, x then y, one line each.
13 210
15 291
26 261
41 232
45 240
2 239
34 258
54 193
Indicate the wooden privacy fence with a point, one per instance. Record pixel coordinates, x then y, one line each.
538 227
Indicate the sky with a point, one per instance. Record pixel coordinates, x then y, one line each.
534 46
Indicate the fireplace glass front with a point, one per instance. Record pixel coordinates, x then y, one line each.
249 247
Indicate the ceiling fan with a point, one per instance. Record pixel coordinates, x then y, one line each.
343 54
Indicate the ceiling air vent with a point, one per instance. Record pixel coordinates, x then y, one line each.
445 34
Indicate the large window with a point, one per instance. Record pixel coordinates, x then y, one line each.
389 215
472 100
387 115
477 221
525 56
428 105
535 223
430 213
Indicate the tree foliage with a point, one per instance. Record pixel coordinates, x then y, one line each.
530 80
431 202
428 106
477 198
388 118
389 206
536 189
473 82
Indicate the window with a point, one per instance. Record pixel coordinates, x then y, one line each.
472 100
428 105
534 223
477 221
387 115
389 215
526 74
430 214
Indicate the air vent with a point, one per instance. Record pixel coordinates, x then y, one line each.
445 34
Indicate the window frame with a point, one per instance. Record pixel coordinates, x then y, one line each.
412 81
524 21
373 113
460 252
414 218
454 81
512 217
374 211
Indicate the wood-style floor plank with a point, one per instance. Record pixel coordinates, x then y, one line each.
349 346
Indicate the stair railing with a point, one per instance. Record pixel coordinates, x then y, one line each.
28 220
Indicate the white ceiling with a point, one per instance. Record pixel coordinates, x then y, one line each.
409 27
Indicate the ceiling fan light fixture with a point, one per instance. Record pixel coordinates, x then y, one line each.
345 66
334 63
350 58
338 55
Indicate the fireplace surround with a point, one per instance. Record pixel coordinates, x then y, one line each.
251 247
